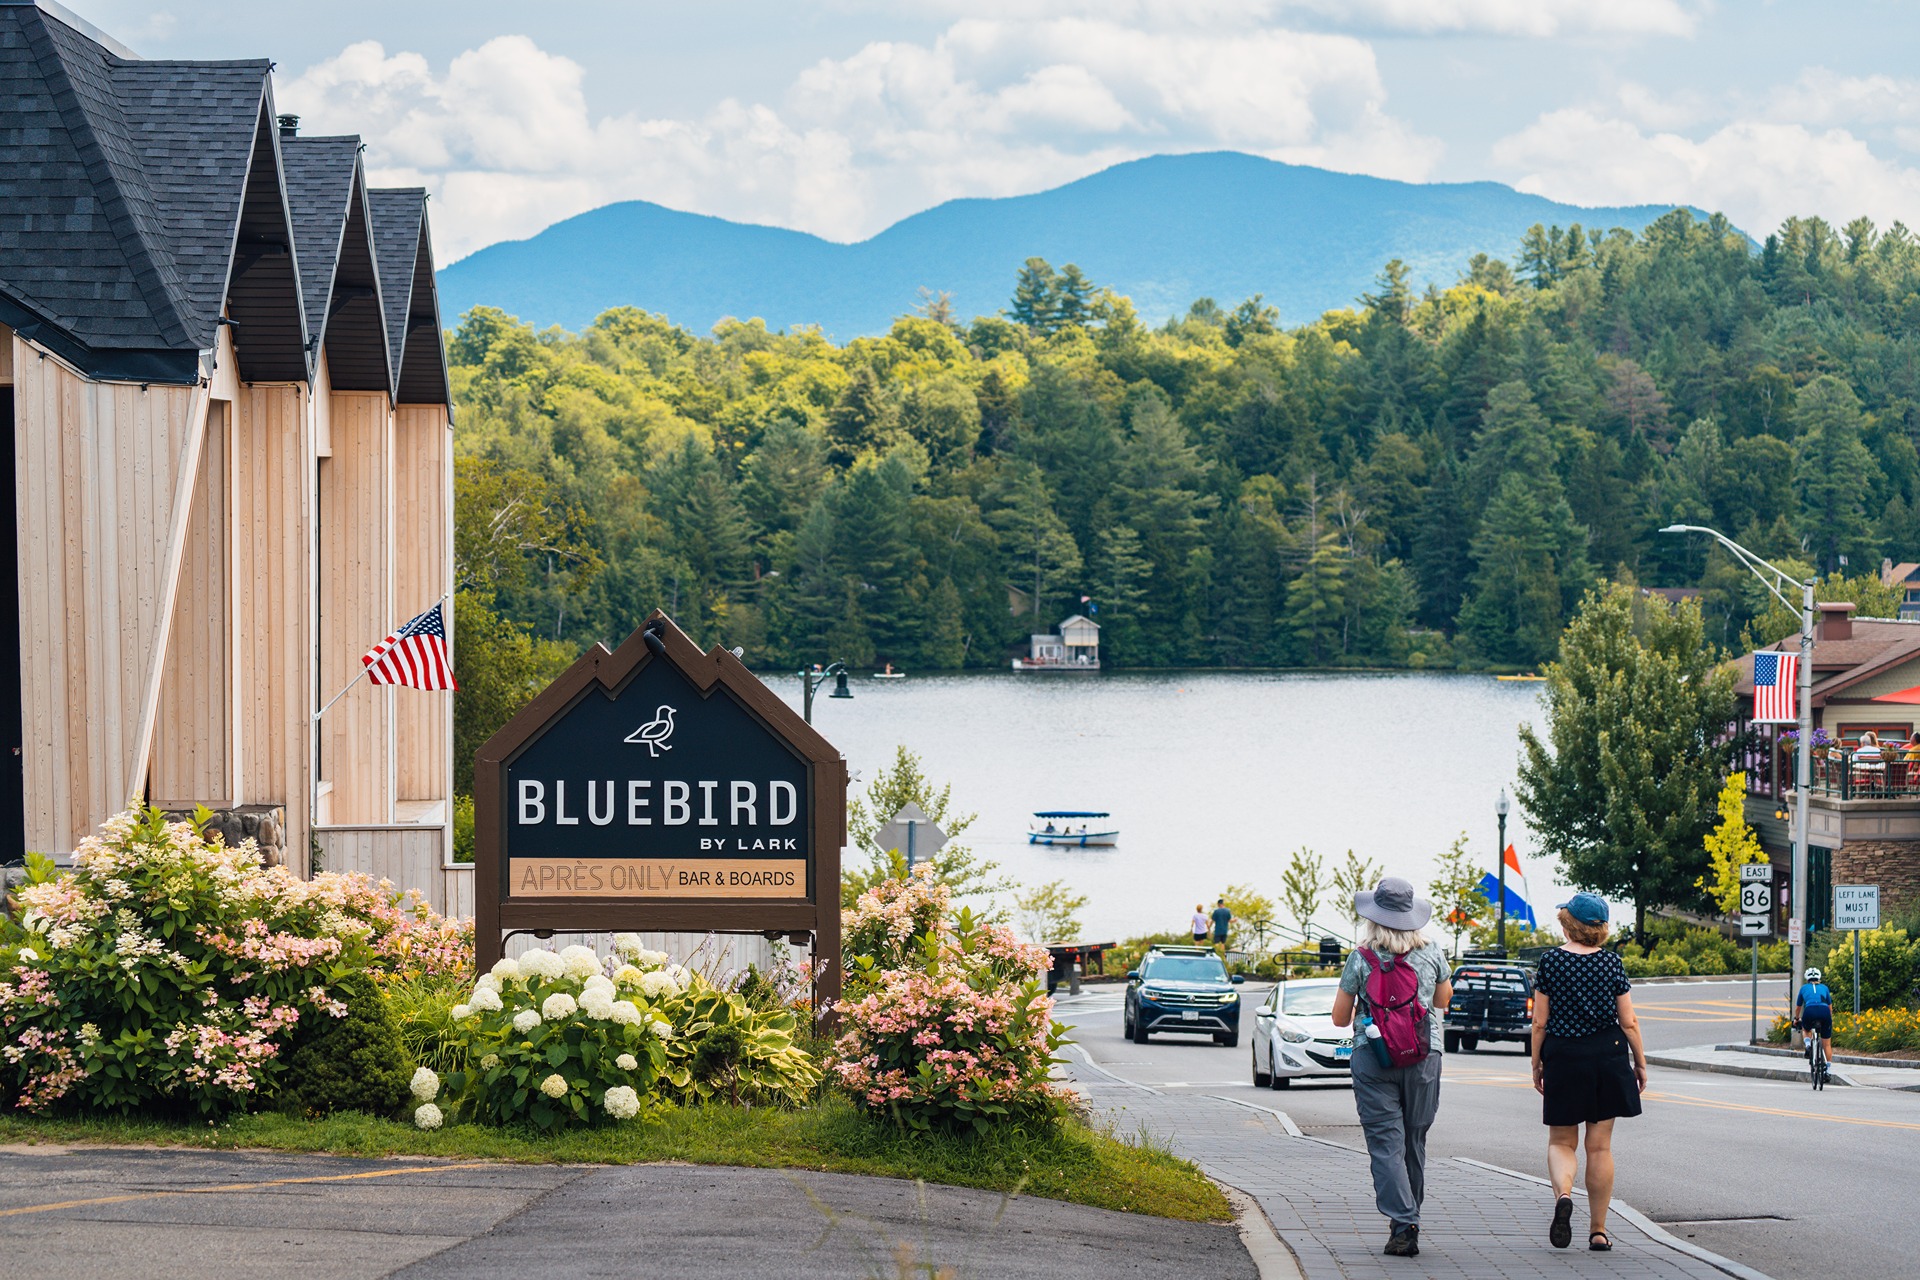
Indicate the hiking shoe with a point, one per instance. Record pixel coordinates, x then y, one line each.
1404 1242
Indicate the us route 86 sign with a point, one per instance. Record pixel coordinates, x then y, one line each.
657 787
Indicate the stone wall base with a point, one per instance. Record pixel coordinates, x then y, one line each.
264 824
1894 865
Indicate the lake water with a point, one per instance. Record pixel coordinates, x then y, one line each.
1214 777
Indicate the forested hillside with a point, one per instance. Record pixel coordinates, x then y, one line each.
1420 479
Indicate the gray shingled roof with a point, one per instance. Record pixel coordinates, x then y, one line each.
319 174
397 214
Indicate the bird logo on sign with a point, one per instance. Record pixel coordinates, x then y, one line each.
654 733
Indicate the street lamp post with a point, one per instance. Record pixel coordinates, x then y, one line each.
1775 579
1500 854
811 680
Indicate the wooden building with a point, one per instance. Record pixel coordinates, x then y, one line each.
230 461
1074 647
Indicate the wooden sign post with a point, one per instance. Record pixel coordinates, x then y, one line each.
657 787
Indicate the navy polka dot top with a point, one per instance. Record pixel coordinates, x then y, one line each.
1583 992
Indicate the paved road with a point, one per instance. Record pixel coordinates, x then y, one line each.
1789 1182
137 1213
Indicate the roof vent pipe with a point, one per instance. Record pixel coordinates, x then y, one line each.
289 125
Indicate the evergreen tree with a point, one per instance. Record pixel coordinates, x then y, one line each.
1120 577
1527 553
1440 549
1041 552
1316 603
1835 477
1036 297
859 417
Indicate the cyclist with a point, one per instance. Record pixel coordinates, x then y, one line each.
1813 1011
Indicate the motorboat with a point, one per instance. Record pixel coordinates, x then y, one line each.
1072 826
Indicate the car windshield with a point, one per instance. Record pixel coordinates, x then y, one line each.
1307 1002
1186 969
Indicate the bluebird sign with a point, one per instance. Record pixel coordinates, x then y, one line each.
657 787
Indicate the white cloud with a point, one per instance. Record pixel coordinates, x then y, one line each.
506 141
1522 18
1756 171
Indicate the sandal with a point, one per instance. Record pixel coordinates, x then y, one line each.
1560 1234
1598 1242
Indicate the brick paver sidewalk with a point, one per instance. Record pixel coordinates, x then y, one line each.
1478 1224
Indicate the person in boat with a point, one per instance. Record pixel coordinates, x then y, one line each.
1050 827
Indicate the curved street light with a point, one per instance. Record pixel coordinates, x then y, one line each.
1776 579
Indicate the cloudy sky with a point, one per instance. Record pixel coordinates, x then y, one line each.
840 116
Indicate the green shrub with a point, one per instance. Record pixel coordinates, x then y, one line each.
1776 956
463 828
423 1011
1709 963
1887 969
1877 1030
347 1063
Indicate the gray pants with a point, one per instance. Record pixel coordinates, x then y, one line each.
1397 1106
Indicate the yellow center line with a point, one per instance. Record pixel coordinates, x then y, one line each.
232 1186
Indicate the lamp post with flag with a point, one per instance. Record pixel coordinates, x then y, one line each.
1788 700
1500 811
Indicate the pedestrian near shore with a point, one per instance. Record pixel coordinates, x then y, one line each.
1588 1063
1199 924
1397 1104
1222 919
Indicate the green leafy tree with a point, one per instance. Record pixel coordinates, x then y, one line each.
1836 476
1621 787
1351 877
904 781
1049 912
1041 553
1457 897
1302 885
1253 916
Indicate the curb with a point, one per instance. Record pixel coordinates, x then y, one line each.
1645 1225
1272 1257
1847 1059
1736 1069
1681 978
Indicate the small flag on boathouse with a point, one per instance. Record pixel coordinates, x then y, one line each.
1774 687
414 656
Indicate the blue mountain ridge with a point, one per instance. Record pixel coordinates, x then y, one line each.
1164 231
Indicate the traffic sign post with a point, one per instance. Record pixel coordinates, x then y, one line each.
1856 907
1756 922
913 833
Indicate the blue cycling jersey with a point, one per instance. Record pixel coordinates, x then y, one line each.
1815 995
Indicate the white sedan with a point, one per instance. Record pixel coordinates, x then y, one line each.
1294 1036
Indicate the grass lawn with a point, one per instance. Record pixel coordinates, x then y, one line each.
1077 1164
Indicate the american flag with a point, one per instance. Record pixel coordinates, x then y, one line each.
1774 687
415 656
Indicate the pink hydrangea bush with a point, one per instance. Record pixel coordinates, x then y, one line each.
168 972
947 1028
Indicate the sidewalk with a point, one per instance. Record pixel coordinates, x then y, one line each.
1482 1223
1759 1064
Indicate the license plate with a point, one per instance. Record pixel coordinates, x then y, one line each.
1189 1015
1342 1053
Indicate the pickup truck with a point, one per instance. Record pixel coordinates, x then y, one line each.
1491 1001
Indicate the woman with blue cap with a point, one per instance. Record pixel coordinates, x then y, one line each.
1588 1062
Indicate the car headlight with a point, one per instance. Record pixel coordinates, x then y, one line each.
1292 1032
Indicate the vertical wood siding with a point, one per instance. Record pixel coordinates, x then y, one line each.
422 458
193 748
95 488
356 605
273 522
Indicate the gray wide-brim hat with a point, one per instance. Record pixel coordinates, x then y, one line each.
1392 904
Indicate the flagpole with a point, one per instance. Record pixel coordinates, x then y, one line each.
444 596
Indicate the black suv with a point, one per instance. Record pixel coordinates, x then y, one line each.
1491 1001
1182 989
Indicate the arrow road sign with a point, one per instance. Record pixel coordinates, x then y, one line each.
1756 926
913 833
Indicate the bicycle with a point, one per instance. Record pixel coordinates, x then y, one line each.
1816 1061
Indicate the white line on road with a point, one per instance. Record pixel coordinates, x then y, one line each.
1647 1226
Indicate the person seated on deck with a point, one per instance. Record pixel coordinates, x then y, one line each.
1911 754
1869 764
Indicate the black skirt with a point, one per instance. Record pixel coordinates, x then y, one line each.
1588 1078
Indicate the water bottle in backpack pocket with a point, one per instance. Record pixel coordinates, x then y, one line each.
1396 1015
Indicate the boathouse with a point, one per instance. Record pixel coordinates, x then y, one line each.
228 462
1075 645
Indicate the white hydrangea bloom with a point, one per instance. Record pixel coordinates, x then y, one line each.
598 982
579 962
659 983
554 1086
489 981
627 944
596 1004
489 1062
654 958
664 1030
425 1084
624 1013
627 1062
627 976
526 1020
540 963
428 1116
621 1102
678 973
505 969
485 999
461 1012
557 1006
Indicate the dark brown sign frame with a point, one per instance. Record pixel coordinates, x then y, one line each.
817 917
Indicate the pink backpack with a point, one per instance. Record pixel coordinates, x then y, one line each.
1393 1001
